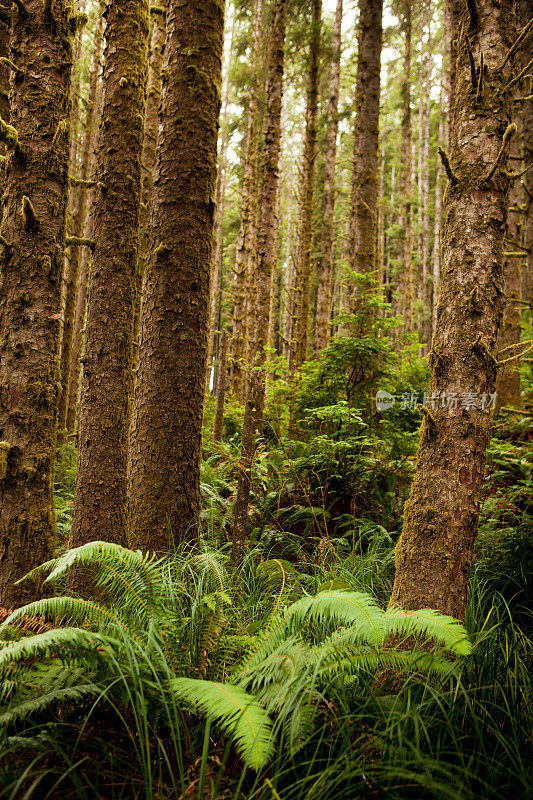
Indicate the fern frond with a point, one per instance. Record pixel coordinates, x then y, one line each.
341 608
237 712
44 701
346 664
426 622
32 646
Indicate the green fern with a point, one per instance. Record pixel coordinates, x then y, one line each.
237 712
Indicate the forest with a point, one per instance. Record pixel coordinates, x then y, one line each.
266 399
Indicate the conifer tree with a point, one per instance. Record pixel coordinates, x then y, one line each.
32 236
107 384
434 554
168 408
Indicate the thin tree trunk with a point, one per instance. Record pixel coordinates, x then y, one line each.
434 554
525 11
169 396
327 253
80 205
245 241
149 155
4 70
107 385
303 263
221 390
406 184
436 261
364 196
31 265
267 254
85 262
426 243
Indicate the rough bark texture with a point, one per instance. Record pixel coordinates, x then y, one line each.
363 224
327 253
167 419
31 264
221 390
148 174
508 380
79 205
245 240
405 282
4 71
266 258
525 11
83 280
303 262
107 385
434 554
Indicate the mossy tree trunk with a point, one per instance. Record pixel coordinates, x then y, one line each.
169 396
245 240
84 267
302 275
434 554
221 389
326 261
149 156
406 282
31 265
100 510
80 199
525 11
266 258
364 195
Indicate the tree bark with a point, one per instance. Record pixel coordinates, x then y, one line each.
72 272
107 384
151 121
245 240
406 181
434 554
221 390
364 195
327 252
167 418
266 259
31 265
302 276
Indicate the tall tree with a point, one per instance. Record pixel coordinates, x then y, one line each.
406 282
326 260
363 225
267 253
32 236
167 418
245 241
107 385
434 554
80 198
302 275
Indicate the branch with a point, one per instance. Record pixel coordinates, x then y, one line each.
4 242
452 177
77 241
518 77
473 78
508 136
9 136
525 99
13 67
522 36
515 175
79 182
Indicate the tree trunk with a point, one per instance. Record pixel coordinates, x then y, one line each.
221 390
364 196
245 243
169 396
436 261
31 265
300 286
327 252
525 11
151 121
72 273
266 258
81 297
107 385
406 181
434 554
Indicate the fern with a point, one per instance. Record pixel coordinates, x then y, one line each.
237 712
425 622
341 608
